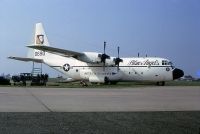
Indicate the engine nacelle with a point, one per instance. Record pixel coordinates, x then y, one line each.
90 57
95 58
110 62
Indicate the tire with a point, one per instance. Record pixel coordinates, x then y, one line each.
161 83
106 80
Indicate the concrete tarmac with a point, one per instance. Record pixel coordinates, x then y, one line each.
176 98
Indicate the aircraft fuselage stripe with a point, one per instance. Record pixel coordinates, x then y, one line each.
113 66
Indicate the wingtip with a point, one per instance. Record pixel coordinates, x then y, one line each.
10 57
31 46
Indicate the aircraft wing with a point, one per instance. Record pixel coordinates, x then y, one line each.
26 59
62 52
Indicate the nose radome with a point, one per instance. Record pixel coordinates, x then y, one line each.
177 73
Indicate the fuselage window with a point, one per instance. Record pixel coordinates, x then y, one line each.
76 70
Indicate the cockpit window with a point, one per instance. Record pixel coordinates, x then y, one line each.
171 64
165 62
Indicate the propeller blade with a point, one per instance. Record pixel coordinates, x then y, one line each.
104 48
118 68
104 56
103 66
118 51
118 60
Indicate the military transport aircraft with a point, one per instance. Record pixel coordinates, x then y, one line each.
99 67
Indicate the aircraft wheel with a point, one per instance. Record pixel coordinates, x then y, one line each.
161 83
106 80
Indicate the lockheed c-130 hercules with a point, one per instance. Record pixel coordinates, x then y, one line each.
99 67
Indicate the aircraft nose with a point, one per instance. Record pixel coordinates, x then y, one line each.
177 73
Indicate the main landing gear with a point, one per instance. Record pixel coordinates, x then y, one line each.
83 83
160 83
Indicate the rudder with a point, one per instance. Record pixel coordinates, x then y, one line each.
40 37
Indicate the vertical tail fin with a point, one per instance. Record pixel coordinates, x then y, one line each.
39 38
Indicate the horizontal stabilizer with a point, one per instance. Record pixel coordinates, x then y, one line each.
62 52
26 59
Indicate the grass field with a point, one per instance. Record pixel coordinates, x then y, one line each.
53 82
101 123
122 84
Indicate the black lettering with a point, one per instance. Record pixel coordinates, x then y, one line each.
40 53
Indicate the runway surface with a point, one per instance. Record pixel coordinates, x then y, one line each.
99 100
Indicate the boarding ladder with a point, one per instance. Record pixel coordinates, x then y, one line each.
36 69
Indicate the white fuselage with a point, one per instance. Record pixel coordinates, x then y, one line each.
131 69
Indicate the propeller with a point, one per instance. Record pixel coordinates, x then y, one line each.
104 56
117 60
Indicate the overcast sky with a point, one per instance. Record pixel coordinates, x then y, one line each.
162 28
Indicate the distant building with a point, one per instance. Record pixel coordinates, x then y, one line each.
187 78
